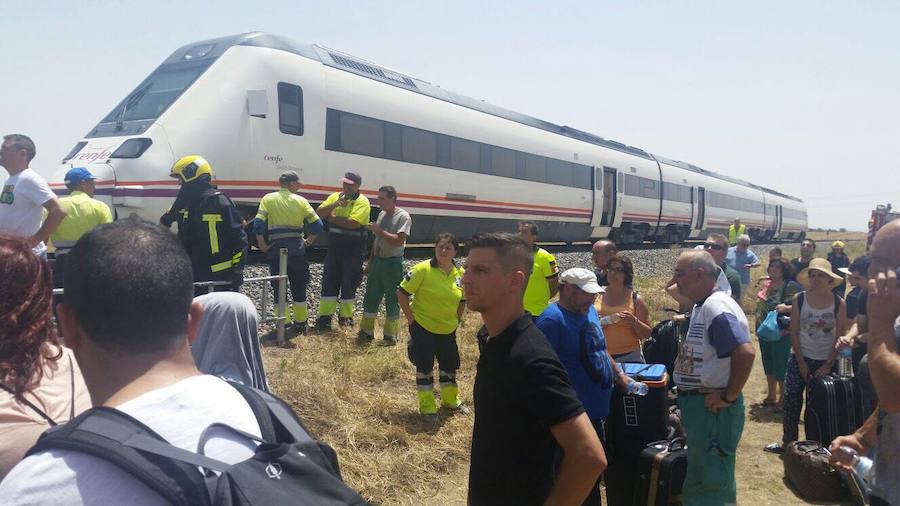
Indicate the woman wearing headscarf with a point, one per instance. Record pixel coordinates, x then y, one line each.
40 382
227 344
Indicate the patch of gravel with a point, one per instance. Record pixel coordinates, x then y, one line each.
656 263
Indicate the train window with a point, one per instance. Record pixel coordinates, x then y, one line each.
503 162
598 178
632 185
535 168
290 109
649 188
393 141
443 150
464 155
363 136
559 172
581 176
419 146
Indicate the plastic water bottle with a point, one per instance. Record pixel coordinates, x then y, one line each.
861 465
638 388
845 362
609 319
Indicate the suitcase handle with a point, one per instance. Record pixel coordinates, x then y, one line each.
676 444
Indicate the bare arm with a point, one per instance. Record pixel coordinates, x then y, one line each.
553 283
741 364
583 461
683 301
883 306
403 300
55 215
398 239
641 323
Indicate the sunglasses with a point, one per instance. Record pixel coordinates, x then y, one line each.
713 246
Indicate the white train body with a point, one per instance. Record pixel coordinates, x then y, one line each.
255 105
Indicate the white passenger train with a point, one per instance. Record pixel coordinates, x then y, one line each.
256 104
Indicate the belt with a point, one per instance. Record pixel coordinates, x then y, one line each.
343 231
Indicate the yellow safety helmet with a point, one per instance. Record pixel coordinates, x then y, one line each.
190 168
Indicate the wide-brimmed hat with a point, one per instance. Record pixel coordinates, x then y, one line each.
821 265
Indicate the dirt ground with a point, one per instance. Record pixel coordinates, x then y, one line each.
362 401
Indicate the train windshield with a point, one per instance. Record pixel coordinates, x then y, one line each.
150 99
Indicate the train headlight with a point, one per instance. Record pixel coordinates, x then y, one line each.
132 148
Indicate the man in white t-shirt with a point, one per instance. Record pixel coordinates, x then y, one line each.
714 362
24 194
129 317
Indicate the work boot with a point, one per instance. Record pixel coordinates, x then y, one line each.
323 324
427 406
364 337
388 341
300 328
450 397
345 321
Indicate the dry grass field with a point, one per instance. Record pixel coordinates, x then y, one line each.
361 400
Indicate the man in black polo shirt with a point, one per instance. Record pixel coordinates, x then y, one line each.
524 404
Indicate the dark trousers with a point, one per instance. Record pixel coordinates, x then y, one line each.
593 498
794 387
424 347
298 276
341 275
59 270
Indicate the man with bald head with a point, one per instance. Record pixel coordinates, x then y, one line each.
713 365
882 429
601 252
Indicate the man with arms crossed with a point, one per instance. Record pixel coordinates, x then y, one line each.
713 365
524 403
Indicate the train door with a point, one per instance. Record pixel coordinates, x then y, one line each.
701 207
778 216
609 197
605 200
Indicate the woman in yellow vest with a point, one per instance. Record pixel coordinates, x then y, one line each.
623 313
433 315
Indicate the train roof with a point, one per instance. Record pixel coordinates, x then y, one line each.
213 48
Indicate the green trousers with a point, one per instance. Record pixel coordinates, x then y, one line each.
712 441
383 279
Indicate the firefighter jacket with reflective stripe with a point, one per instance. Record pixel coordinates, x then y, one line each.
84 213
211 231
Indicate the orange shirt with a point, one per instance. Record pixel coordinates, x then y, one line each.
620 336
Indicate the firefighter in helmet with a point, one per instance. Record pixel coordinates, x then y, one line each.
209 226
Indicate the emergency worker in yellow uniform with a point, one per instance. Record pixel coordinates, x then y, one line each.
347 214
735 231
280 222
544 281
437 307
84 213
209 226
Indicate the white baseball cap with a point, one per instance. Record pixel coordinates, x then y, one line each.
582 278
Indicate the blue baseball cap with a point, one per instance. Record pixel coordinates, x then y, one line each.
77 175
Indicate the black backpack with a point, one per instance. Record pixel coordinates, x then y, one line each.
662 346
288 467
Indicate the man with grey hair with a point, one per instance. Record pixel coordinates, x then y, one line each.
25 195
713 365
741 259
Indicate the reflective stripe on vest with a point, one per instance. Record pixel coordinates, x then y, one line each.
212 219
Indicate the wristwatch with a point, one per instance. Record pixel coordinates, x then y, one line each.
724 397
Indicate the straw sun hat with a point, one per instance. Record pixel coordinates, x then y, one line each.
821 265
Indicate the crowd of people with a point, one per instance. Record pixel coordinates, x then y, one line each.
132 334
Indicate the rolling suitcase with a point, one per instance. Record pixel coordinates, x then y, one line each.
661 470
832 409
634 422
807 469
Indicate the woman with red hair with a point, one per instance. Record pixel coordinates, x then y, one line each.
40 383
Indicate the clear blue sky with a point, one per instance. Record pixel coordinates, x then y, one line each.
800 96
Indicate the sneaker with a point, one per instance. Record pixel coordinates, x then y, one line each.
364 337
345 322
388 341
776 448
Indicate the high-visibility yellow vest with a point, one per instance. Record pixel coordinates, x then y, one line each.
733 234
84 213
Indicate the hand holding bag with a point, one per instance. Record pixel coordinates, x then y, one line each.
768 330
